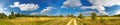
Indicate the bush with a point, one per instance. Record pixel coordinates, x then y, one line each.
80 16
11 17
93 15
70 15
2 15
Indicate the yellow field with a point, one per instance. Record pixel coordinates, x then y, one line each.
60 21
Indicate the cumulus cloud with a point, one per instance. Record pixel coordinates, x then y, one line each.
4 10
117 12
105 2
98 5
25 7
71 3
48 9
100 9
88 13
101 4
44 11
88 7
35 13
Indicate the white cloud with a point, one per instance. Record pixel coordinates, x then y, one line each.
16 4
100 4
105 2
44 11
4 10
88 7
117 12
48 9
71 3
25 7
35 13
100 9
88 13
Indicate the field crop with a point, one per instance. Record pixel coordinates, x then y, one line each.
60 21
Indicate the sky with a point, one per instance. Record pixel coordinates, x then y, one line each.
60 7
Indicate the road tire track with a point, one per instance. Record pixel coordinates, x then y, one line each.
70 22
75 22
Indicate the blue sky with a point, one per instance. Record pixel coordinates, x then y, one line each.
59 7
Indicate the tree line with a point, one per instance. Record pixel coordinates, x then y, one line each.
14 15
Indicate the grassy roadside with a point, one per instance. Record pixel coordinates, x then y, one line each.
103 21
26 21
35 21
3 22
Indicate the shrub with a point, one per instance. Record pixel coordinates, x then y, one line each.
80 16
93 15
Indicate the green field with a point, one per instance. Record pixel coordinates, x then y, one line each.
60 21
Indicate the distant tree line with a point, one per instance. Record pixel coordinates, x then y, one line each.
14 15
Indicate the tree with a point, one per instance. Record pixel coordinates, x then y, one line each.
60 16
12 15
105 16
118 15
80 15
70 15
93 15
2 15
17 15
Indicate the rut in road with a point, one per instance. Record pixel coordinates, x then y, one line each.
59 22
72 20
69 22
75 22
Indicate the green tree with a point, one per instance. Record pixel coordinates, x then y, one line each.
70 15
80 15
118 15
105 15
12 15
2 15
61 16
17 15
93 15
